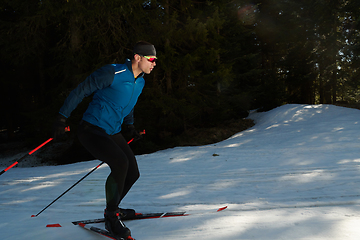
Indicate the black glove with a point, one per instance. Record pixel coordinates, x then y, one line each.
133 132
59 126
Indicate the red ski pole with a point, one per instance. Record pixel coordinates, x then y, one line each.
67 129
141 133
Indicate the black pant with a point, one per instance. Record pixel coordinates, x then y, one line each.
113 150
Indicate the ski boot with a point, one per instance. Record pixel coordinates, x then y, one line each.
125 214
115 226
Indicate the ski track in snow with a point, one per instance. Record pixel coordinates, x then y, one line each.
294 175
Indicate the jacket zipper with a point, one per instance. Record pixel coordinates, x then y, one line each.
132 94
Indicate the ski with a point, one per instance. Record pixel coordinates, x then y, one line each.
87 223
137 216
148 216
102 232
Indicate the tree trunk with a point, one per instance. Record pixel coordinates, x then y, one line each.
167 46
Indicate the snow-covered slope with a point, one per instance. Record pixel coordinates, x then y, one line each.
294 175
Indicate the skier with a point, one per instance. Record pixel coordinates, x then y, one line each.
116 89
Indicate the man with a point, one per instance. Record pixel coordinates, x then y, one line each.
116 88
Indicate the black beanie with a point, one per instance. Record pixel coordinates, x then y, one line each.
144 49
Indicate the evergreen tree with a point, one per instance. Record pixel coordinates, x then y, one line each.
216 59
193 82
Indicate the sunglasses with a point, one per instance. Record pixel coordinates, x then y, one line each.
150 59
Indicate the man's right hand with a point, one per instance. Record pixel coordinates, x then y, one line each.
58 131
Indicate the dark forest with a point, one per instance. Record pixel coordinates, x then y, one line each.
216 59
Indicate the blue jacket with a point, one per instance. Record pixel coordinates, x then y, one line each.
116 92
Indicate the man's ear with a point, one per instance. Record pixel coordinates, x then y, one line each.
137 57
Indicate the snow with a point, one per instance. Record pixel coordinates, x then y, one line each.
294 175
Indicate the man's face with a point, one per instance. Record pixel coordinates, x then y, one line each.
147 63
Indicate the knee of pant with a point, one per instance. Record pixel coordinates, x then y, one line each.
135 176
119 166
134 173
